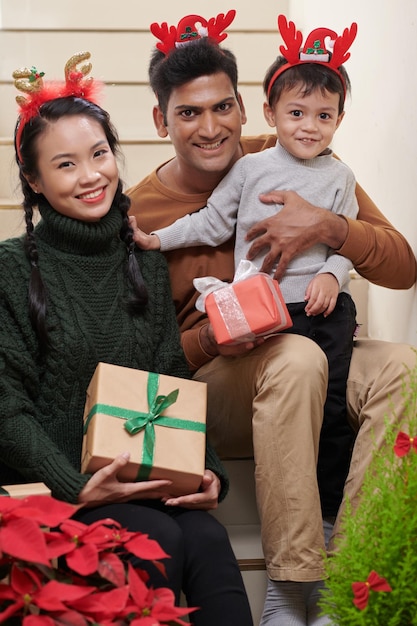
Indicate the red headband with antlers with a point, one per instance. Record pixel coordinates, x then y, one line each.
191 28
38 92
322 46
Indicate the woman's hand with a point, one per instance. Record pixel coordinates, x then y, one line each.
104 486
207 499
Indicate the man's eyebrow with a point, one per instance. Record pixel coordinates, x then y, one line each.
196 107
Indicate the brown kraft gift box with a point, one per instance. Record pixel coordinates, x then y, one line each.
24 490
121 399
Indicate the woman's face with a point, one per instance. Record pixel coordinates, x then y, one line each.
77 171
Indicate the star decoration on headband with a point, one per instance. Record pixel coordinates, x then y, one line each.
191 28
30 82
322 45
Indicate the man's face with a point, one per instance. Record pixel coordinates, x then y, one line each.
204 121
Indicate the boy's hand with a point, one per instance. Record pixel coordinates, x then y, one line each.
321 295
143 240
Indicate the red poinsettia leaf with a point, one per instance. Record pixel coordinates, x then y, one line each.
6 593
38 620
10 611
139 592
23 539
83 560
46 510
160 567
54 595
103 604
144 621
111 568
24 580
163 606
145 548
58 544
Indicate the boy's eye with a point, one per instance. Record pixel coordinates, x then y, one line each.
324 116
296 113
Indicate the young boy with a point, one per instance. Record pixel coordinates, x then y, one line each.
305 103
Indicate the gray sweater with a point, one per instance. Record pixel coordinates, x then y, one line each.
323 181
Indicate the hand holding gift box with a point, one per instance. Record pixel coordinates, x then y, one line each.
249 307
159 419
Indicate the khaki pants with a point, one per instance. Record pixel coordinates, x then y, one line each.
269 404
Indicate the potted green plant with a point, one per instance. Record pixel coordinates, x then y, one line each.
372 576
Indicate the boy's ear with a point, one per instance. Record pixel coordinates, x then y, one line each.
339 119
269 115
159 121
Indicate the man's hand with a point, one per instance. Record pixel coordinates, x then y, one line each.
210 346
298 226
321 294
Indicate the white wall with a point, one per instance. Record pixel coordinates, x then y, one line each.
378 137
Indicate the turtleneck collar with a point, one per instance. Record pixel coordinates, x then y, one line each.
75 236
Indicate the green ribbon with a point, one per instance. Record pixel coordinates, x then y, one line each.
136 421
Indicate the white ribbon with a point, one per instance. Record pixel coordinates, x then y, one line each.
208 284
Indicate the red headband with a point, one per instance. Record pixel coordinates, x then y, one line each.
191 28
322 46
38 92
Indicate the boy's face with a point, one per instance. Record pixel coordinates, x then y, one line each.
204 121
305 124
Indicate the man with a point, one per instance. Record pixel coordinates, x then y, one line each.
266 398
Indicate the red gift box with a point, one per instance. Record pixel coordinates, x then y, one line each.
247 309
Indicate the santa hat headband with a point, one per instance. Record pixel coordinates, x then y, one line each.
191 28
322 46
31 82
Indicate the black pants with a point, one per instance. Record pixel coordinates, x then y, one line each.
334 335
202 562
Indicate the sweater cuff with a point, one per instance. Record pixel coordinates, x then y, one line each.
193 350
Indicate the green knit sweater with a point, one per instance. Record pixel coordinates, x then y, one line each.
83 266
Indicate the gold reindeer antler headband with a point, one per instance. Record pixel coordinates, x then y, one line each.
37 91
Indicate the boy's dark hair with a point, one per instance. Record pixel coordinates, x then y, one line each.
312 77
202 57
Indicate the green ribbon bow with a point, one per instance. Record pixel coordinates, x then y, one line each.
136 421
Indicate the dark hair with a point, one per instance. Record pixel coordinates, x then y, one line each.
202 57
49 112
312 77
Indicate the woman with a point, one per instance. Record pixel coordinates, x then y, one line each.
75 291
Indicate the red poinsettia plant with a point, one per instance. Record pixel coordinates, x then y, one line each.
96 583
